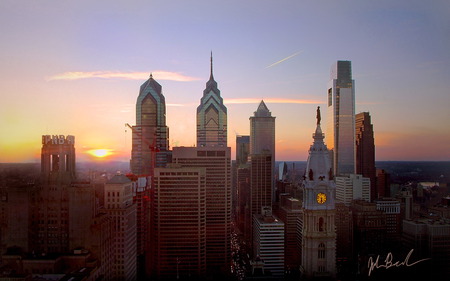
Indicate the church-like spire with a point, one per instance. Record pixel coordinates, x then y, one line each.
318 164
211 77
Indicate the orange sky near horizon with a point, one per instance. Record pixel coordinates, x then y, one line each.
75 68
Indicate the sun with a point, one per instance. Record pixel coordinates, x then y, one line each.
100 153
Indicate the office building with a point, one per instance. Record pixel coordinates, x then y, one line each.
369 230
262 139
365 150
119 205
150 142
352 187
179 223
318 223
58 159
211 116
391 207
341 118
430 238
242 150
290 211
344 239
383 185
260 181
216 161
243 210
56 226
268 242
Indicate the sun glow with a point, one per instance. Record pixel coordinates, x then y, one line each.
100 153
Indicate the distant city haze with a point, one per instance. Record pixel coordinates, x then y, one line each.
75 68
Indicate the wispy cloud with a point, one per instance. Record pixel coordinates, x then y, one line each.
158 75
272 100
282 60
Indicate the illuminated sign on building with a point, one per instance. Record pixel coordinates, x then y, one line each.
58 139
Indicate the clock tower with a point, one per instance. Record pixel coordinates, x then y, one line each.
319 193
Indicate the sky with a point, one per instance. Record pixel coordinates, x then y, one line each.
75 68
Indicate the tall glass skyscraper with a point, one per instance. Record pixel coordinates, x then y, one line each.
341 118
211 116
262 146
150 134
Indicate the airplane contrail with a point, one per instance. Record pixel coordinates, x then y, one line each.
280 61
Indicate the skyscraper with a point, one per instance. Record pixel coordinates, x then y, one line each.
242 149
319 231
341 118
268 245
365 150
260 181
58 159
262 147
119 205
216 161
211 116
262 131
150 134
179 223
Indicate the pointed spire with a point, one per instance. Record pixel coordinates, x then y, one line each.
262 110
211 77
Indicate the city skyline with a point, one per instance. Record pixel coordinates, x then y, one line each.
75 69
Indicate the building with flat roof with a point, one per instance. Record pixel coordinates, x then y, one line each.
217 163
352 187
179 223
268 241
341 118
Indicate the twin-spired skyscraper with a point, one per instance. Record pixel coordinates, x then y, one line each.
191 207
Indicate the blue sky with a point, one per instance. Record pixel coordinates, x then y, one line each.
75 67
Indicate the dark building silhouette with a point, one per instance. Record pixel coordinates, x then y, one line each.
365 150
57 227
383 183
179 236
217 163
242 151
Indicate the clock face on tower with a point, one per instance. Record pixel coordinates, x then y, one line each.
321 198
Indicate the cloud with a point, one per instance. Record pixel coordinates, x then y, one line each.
159 75
285 59
271 100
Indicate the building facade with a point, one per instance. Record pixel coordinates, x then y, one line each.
352 187
119 205
211 116
365 150
341 118
262 140
217 164
179 223
268 242
150 143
